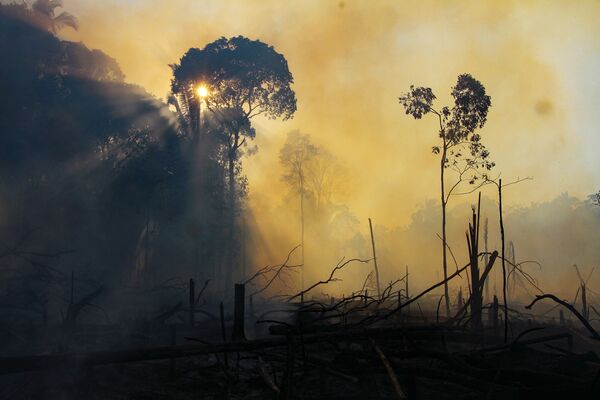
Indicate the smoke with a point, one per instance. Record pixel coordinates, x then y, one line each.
351 60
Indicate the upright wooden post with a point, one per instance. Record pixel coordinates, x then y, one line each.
375 259
504 300
238 312
584 307
192 303
486 259
223 333
72 300
406 294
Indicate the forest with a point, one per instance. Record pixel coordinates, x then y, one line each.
255 233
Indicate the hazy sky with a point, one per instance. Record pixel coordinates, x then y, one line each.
539 62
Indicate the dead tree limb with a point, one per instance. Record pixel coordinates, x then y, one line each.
331 278
390 371
169 313
568 306
206 282
423 293
277 269
263 373
374 258
75 308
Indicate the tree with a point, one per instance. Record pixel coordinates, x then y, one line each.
42 15
80 174
460 149
294 156
242 78
325 176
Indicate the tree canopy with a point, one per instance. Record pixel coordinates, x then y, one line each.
458 124
240 74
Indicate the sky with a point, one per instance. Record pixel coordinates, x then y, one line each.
351 60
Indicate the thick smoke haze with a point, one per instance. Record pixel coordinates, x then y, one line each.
299 199
351 60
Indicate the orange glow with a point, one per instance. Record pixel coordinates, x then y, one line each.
202 91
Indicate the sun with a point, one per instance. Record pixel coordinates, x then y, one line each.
202 91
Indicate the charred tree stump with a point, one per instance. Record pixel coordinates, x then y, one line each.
375 259
238 332
494 313
473 246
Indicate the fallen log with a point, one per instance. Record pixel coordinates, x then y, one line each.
10 365
538 340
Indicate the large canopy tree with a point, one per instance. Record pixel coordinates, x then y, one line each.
241 79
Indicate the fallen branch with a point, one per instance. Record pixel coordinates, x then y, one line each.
266 377
563 303
338 267
390 371
423 293
75 308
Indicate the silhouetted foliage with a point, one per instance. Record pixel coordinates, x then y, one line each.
86 161
457 124
241 74
461 148
42 15
243 78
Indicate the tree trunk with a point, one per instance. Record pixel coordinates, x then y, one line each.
232 208
238 332
503 262
486 259
302 228
444 250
